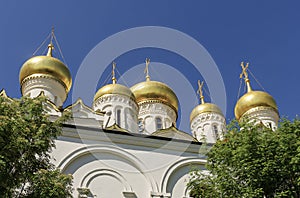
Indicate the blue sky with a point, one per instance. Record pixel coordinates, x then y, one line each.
264 33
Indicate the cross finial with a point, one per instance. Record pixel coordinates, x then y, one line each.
114 80
147 69
200 86
245 74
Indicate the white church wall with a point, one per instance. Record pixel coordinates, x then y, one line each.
266 115
120 165
149 113
52 89
208 127
119 109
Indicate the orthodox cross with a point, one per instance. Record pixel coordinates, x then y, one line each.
244 72
200 86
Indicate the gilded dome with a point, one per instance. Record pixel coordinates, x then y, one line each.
47 66
251 100
155 91
205 108
114 89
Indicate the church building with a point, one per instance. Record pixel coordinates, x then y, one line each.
127 145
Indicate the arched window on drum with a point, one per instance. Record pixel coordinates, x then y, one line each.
158 123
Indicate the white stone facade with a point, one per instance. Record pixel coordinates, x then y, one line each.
115 164
266 115
54 90
118 109
208 127
155 116
121 149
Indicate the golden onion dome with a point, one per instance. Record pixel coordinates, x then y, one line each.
114 89
153 91
46 66
205 108
253 99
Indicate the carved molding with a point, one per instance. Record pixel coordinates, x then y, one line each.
35 78
110 98
157 108
262 113
51 88
204 117
155 101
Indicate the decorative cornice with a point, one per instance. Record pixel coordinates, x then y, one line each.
261 108
209 116
109 98
153 101
3 94
259 112
80 102
148 108
115 127
173 129
136 139
46 76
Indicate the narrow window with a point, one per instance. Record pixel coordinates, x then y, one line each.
158 123
215 130
141 125
118 120
270 125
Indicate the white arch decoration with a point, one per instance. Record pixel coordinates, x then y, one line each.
101 172
177 165
137 163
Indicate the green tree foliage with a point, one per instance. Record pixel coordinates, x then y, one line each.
252 161
26 138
